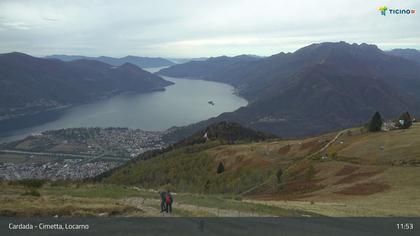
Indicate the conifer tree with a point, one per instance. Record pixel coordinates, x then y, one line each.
375 123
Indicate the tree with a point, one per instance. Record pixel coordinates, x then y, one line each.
220 168
405 121
278 175
375 123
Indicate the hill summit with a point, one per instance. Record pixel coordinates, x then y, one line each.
226 132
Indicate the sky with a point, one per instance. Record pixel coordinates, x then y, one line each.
199 28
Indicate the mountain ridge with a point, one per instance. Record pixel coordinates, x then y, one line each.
31 84
407 53
320 88
142 62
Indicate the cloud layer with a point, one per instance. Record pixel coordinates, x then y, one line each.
190 28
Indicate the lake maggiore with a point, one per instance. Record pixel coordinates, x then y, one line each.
185 102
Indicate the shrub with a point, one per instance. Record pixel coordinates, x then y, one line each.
220 168
238 198
32 192
207 187
279 175
31 183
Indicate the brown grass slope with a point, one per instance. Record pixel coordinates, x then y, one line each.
359 174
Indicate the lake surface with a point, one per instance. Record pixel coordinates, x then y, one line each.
183 103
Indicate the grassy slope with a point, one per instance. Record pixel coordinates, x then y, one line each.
112 200
67 200
189 169
365 173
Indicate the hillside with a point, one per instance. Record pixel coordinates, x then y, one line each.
142 62
407 53
225 132
30 84
213 135
318 88
215 68
357 174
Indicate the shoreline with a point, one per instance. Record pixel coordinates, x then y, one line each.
25 124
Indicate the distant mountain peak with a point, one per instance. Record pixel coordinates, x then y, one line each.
407 53
142 62
16 53
128 65
339 47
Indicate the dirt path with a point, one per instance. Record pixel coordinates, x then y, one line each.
329 143
146 205
217 211
143 204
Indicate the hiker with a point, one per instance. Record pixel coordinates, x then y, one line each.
163 201
168 201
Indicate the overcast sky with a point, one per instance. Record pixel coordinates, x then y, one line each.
184 28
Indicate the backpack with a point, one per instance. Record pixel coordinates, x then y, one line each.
168 199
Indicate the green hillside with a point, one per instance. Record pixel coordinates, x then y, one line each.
369 173
193 156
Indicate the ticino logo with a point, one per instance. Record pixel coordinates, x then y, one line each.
385 10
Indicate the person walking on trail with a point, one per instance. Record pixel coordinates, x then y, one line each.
168 200
163 201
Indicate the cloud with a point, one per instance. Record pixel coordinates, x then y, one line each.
49 19
189 28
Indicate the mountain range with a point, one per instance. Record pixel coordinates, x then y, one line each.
29 84
318 88
142 62
407 53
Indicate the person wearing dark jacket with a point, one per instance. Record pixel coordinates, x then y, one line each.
168 200
163 201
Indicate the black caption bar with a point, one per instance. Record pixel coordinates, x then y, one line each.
322 226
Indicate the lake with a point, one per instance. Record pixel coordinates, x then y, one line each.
185 102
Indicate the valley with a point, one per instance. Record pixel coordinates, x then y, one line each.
208 118
298 148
